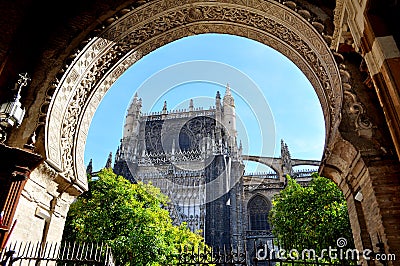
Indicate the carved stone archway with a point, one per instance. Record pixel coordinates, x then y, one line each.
361 159
114 48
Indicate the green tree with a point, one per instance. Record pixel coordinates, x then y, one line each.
312 217
131 219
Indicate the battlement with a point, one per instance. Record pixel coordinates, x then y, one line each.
179 113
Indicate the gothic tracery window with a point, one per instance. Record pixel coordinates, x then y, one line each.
258 209
184 141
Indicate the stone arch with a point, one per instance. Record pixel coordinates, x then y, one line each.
270 163
79 88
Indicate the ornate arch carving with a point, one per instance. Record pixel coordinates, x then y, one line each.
139 31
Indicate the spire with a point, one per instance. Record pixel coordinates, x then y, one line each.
191 107
133 116
137 100
109 161
228 90
218 102
89 168
228 98
286 159
284 150
229 117
164 110
136 104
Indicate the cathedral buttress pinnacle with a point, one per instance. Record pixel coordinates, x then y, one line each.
164 110
229 117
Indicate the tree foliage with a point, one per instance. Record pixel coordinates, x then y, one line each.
130 219
311 217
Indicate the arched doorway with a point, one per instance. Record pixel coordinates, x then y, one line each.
135 34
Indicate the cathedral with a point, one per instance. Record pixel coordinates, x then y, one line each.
195 158
192 155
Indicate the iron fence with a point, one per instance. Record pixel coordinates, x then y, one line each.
254 252
268 251
264 250
218 257
64 253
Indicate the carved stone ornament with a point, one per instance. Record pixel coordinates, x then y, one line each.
79 90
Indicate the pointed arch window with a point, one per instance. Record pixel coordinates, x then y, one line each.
258 209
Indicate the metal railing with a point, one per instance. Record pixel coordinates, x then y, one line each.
218 256
64 253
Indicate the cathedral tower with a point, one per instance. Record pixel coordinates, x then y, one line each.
188 154
229 113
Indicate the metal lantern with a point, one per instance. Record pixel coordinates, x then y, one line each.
12 113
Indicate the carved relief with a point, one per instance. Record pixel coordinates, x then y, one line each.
146 28
337 21
356 109
340 160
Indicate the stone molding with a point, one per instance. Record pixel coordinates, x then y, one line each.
383 48
349 13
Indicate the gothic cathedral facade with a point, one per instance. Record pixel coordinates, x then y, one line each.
195 158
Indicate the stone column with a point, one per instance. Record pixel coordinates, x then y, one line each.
44 205
371 188
382 57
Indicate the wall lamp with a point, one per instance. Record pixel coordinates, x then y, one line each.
12 113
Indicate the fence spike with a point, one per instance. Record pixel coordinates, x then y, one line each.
26 248
44 249
89 253
85 250
15 245
68 251
50 252
73 250
106 255
20 247
81 250
37 250
101 248
54 251
62 251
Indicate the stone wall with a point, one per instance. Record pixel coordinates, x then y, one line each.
43 207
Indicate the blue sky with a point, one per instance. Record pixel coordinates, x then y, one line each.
274 100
